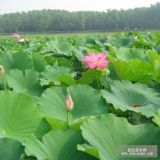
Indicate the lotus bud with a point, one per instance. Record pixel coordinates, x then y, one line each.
69 104
1 70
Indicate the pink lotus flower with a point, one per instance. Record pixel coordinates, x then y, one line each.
16 36
19 38
96 61
69 104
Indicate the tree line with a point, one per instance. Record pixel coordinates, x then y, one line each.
61 20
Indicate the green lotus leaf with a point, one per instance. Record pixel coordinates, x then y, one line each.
10 149
90 75
142 42
57 145
24 82
42 129
108 133
156 118
156 72
133 70
16 115
52 74
154 59
61 60
88 149
136 97
63 47
152 56
126 54
66 79
6 59
78 52
64 61
22 61
120 41
38 62
59 46
87 102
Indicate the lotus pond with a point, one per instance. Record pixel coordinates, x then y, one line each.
79 97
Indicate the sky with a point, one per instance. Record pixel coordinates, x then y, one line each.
8 6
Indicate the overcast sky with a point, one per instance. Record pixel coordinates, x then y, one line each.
7 6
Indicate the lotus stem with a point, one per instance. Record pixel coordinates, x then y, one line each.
67 119
97 79
4 82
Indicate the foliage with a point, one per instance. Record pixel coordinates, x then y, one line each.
60 20
117 132
118 104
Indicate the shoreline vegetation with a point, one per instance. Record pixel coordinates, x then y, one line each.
60 21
